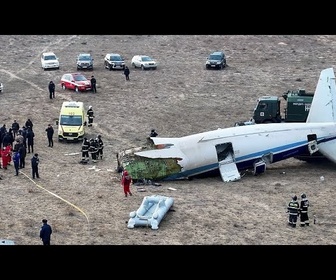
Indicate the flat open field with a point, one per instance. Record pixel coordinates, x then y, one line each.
86 206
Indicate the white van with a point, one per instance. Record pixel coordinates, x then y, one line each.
71 121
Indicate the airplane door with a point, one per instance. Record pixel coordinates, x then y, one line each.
226 162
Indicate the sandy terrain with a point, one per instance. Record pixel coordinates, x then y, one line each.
87 206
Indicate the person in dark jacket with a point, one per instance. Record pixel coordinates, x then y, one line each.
34 164
126 73
293 209
45 232
153 133
90 115
85 151
93 84
304 204
15 128
51 88
93 149
8 138
29 123
50 134
100 147
3 131
30 140
23 154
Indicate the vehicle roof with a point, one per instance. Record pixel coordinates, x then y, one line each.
217 53
67 103
74 74
113 54
84 54
48 53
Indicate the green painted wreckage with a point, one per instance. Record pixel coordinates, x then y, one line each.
142 168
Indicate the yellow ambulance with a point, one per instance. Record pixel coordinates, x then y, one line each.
71 121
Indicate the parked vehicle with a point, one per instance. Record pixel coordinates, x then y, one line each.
144 62
71 122
114 61
49 61
296 108
84 61
75 81
216 60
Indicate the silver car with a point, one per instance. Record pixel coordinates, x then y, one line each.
144 62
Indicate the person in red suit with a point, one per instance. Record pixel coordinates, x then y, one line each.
126 181
6 155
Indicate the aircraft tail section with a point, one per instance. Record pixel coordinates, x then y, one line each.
323 107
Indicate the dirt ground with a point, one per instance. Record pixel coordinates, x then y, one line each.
86 205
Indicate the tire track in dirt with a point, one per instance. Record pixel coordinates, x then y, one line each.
14 76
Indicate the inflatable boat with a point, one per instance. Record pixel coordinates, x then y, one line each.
151 211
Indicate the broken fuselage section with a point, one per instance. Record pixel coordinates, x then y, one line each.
146 168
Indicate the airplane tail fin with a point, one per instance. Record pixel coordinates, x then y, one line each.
323 107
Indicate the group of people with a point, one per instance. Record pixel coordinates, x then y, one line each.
93 147
296 209
14 143
17 142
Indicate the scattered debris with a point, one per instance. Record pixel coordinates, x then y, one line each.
71 154
172 189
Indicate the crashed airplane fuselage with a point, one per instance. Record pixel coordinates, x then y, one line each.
233 149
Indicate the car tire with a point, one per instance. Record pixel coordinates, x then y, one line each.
76 89
63 87
133 65
142 67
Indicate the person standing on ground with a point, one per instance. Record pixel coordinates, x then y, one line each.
50 134
45 232
126 181
15 128
293 209
90 115
304 204
23 153
93 150
16 161
51 88
126 73
3 131
85 151
93 84
30 140
34 164
100 147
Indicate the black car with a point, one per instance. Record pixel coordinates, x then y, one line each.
114 61
84 61
216 60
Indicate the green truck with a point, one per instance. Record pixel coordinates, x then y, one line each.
268 108
296 109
